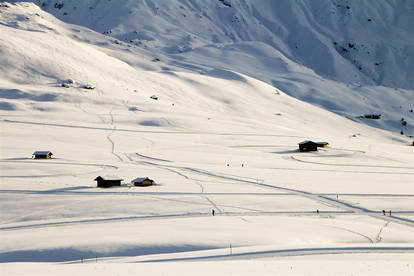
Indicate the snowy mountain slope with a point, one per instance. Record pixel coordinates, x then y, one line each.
219 140
319 51
54 57
303 31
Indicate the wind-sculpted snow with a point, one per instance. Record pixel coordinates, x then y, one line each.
348 56
348 41
194 95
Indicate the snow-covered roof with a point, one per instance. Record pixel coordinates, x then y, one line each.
42 152
140 179
305 142
109 178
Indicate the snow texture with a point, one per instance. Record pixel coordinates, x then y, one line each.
239 84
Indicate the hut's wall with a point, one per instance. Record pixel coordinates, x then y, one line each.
308 147
42 157
108 183
143 183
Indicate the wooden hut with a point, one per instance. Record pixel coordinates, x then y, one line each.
372 116
308 146
42 154
106 182
142 182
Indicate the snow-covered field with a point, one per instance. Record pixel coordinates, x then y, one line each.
219 140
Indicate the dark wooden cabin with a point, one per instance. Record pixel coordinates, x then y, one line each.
308 146
142 182
372 116
42 154
106 182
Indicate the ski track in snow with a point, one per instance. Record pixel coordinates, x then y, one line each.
351 165
102 166
213 204
209 202
342 171
37 162
151 158
284 252
111 123
151 131
353 232
164 216
318 198
108 137
317 163
348 209
291 191
68 191
197 182
378 238
61 206
202 198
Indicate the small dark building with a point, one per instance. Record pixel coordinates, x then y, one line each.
372 116
106 182
42 154
308 146
142 182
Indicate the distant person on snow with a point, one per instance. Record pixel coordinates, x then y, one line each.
213 212
390 212
317 211
383 212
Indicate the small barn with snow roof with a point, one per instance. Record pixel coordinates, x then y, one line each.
42 154
142 182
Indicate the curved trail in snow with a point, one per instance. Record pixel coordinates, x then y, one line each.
50 161
316 197
165 216
151 158
350 165
149 131
281 253
337 170
197 182
102 167
353 232
88 191
108 137
378 238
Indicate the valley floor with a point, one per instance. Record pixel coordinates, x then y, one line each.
276 209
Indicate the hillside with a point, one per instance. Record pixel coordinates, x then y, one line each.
212 137
360 52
